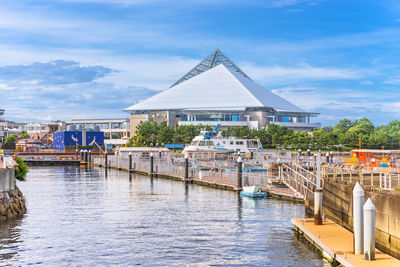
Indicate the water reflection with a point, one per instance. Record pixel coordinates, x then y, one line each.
79 216
186 192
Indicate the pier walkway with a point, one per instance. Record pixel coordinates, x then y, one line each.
336 243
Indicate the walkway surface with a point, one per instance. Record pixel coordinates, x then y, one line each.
337 242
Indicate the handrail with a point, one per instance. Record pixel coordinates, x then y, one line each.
312 182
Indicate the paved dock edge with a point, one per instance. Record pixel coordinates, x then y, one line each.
325 252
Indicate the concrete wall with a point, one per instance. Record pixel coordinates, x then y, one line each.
135 119
7 180
12 202
260 116
337 206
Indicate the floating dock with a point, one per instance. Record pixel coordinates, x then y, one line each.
336 244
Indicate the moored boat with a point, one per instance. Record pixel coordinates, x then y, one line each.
214 141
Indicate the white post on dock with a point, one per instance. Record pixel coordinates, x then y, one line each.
369 230
318 194
358 217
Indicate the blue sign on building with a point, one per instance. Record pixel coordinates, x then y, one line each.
71 139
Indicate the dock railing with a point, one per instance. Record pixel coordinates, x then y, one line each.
219 172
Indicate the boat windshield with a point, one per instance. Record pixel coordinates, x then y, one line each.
194 143
252 144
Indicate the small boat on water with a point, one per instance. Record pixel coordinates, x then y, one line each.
214 141
252 191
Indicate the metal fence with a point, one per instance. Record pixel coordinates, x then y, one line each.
219 172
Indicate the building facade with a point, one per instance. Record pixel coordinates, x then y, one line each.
9 127
116 131
216 91
43 131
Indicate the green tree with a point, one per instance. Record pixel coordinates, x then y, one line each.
9 142
363 127
265 138
343 125
24 135
22 169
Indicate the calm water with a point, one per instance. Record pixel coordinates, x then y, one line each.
79 217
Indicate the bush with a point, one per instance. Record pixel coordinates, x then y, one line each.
9 142
22 169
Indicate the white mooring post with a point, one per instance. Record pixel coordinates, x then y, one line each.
318 194
369 230
358 217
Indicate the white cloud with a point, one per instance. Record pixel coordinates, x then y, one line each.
393 80
277 74
286 3
4 86
367 82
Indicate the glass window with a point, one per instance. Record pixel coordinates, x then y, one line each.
239 142
202 143
116 125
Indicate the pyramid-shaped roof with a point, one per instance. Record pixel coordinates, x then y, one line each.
217 88
212 60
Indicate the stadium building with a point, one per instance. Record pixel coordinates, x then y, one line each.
217 91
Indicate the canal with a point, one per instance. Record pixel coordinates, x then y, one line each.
80 217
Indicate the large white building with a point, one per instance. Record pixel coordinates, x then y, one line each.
217 91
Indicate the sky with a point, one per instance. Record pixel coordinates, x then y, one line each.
68 59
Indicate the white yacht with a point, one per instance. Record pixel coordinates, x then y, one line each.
214 141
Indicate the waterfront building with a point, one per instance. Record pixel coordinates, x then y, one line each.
116 131
217 91
9 127
2 124
70 140
43 131
31 145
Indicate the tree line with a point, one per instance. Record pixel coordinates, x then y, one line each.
344 135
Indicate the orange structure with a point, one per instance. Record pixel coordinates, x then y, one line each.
371 158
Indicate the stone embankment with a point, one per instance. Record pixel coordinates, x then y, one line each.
12 202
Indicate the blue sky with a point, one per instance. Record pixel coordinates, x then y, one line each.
65 59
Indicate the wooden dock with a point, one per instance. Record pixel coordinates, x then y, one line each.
336 244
